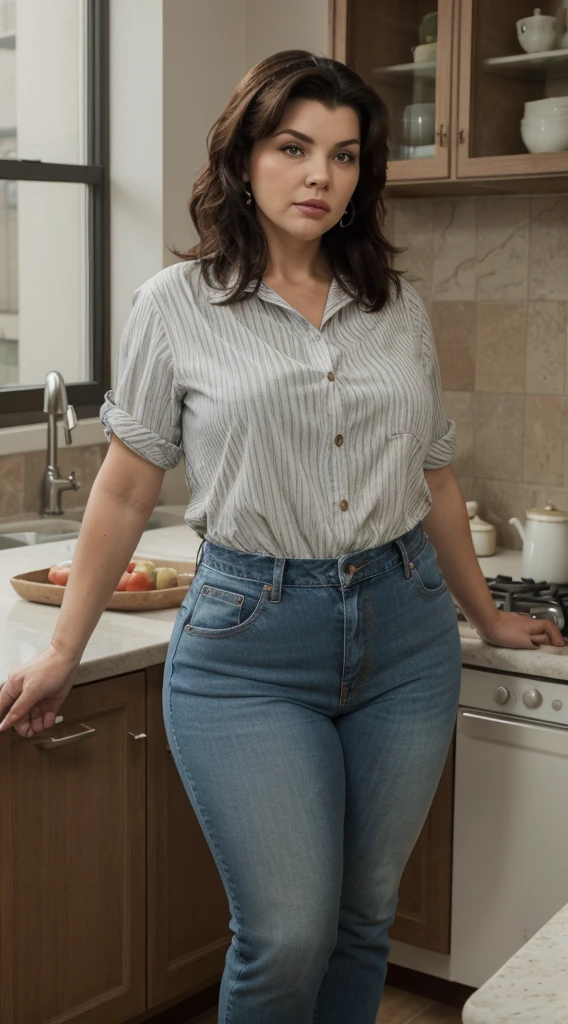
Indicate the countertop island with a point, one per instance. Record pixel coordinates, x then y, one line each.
126 641
532 987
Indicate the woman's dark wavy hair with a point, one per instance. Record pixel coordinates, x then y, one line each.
232 245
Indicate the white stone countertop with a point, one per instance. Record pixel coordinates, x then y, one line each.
126 641
532 987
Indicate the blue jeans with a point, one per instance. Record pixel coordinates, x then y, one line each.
309 705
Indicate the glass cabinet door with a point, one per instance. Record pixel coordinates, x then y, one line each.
402 49
513 109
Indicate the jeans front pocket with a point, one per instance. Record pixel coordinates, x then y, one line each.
427 573
224 605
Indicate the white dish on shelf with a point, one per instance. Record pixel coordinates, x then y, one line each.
546 106
416 152
545 134
538 33
419 124
425 52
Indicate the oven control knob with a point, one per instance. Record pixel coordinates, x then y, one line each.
532 698
502 694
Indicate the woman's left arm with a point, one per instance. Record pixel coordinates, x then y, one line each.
447 526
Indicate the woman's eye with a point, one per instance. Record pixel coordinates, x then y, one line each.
291 146
350 158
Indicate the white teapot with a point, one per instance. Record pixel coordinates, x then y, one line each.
545 544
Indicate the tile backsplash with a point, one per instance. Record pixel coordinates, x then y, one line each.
493 273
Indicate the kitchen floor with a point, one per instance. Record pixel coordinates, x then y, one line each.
397 1007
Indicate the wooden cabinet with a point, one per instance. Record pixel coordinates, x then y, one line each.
111 904
188 912
424 905
455 116
73 862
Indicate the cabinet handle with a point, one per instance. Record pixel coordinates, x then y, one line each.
442 135
63 741
461 136
137 735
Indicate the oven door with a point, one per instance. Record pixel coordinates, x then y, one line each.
510 864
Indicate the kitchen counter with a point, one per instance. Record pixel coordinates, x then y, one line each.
126 641
532 987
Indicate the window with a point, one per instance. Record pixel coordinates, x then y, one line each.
54 205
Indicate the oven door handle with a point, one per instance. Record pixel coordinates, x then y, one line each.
513 720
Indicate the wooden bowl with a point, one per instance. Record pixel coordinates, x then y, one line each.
34 586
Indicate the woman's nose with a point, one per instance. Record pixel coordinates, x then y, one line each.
318 174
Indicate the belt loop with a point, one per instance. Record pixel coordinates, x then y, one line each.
198 558
404 553
276 591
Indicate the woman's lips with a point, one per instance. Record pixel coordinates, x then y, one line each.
312 210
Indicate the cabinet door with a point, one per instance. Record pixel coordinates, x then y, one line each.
384 43
424 908
497 79
188 911
72 861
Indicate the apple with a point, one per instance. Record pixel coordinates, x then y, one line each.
139 581
146 566
130 567
166 577
123 580
59 574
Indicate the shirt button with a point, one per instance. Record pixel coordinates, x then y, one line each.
339 440
344 505
331 376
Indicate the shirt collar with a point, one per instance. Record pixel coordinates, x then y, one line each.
337 297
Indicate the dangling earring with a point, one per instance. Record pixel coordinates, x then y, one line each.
341 224
249 196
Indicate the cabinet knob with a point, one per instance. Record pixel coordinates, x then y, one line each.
461 136
442 135
137 735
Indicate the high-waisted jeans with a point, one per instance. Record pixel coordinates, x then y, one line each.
309 704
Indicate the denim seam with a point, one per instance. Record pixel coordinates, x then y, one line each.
206 826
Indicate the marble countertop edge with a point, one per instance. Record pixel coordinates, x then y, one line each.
532 986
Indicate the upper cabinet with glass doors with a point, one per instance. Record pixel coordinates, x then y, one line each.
477 90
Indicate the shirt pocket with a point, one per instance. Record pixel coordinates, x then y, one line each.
407 450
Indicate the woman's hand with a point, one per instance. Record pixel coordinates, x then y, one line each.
34 692
515 630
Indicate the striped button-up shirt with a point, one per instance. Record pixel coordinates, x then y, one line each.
298 441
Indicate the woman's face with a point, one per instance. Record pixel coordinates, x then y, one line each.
313 154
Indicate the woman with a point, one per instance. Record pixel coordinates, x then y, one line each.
312 679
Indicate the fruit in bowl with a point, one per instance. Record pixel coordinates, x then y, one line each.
138 576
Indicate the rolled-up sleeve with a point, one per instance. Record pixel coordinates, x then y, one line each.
442 448
144 409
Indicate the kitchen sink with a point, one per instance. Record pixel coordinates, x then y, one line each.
43 530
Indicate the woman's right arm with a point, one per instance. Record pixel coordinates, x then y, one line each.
121 501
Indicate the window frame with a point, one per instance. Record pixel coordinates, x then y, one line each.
23 404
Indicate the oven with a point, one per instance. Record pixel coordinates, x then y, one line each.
510 857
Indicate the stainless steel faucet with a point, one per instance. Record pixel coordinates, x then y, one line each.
55 404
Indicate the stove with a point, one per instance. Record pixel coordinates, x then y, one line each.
526 596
